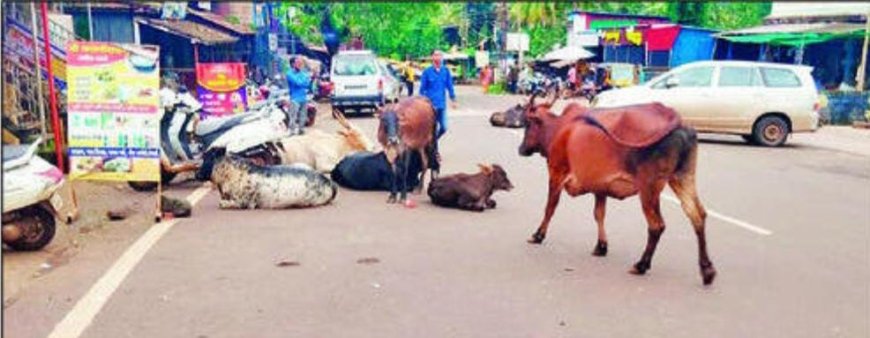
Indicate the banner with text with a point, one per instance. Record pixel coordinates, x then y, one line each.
221 88
114 116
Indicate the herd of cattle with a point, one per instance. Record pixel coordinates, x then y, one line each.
312 163
607 152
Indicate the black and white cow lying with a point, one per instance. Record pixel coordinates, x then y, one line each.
370 171
245 185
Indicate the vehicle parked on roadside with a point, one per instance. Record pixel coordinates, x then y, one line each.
184 138
762 102
358 82
30 197
392 83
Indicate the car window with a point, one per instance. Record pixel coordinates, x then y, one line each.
738 77
779 77
354 65
696 77
692 77
387 70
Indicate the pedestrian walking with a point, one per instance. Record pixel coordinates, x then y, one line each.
513 77
486 78
435 83
408 76
572 77
299 83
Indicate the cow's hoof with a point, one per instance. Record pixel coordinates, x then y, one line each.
537 238
639 268
708 274
600 249
391 199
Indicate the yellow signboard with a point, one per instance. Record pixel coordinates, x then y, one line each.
114 116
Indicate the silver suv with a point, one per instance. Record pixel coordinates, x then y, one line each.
763 102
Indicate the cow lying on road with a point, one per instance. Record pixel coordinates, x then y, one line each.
470 192
372 171
244 185
322 150
511 118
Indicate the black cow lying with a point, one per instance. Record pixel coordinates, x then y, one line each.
370 171
511 118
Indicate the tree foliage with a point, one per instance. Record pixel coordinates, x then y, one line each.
415 28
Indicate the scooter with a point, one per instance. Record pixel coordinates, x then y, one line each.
30 197
184 138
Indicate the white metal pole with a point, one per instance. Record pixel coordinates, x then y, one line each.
38 70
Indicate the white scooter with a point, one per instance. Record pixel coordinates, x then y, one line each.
30 197
184 138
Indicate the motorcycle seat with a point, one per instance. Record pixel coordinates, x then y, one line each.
214 124
12 152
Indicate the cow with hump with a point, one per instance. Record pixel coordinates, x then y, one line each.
619 152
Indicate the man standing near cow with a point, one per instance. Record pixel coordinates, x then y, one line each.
299 82
435 81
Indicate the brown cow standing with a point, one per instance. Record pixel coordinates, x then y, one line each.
408 125
618 153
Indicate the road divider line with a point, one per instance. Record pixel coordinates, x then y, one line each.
86 309
727 219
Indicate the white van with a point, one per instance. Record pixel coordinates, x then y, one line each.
357 81
763 102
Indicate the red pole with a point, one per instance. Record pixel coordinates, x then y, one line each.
55 119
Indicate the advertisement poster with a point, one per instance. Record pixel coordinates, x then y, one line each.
18 48
221 88
113 105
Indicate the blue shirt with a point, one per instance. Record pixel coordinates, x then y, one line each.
433 84
298 82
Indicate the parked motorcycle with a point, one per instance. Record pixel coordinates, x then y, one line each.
30 198
184 138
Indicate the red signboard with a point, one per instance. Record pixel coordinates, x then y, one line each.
221 88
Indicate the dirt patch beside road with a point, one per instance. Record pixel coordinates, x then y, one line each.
89 233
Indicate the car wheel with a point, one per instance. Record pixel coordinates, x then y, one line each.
770 131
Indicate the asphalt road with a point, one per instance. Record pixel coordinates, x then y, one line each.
790 239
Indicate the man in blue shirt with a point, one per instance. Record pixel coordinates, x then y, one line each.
299 82
435 81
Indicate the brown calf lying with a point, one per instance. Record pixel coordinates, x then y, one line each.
469 192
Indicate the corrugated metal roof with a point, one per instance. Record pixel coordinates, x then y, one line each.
191 30
820 27
220 21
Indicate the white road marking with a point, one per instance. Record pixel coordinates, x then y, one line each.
87 308
728 219
198 194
